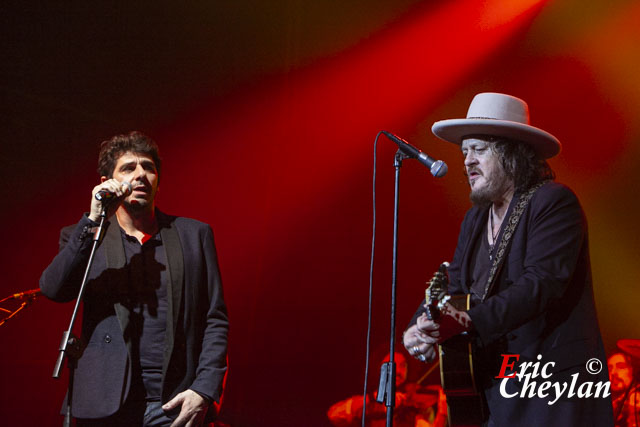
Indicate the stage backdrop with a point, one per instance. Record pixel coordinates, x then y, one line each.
266 113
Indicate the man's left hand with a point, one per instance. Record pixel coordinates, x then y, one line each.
193 409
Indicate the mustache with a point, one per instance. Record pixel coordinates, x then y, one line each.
469 171
135 184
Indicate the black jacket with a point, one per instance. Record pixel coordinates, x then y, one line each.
197 324
541 304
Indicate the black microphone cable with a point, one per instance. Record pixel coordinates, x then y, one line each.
438 169
373 251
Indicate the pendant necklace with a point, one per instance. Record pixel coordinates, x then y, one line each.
494 235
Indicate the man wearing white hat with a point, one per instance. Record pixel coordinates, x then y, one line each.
523 257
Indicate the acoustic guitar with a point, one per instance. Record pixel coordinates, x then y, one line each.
464 400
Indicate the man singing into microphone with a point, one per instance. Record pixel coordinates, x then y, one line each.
523 256
154 319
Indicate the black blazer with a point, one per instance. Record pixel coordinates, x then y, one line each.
541 303
197 323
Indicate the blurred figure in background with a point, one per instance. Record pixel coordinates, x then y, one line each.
624 372
416 405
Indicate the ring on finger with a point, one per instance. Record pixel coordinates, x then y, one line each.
416 350
422 358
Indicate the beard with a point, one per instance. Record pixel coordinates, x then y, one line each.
618 385
138 207
496 186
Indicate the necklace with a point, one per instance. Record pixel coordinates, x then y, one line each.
494 234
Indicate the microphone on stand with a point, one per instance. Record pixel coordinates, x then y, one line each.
438 168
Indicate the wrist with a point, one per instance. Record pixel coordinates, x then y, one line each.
207 400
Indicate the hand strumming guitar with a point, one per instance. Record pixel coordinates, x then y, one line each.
420 339
421 343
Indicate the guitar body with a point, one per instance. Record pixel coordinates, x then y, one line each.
465 403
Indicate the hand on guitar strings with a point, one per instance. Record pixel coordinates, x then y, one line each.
419 344
451 322
420 339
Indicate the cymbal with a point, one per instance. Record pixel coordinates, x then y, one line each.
630 346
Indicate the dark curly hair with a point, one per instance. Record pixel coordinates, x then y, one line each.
135 142
522 164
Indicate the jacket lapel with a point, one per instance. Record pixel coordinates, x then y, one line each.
175 270
479 222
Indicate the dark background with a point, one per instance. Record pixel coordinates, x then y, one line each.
266 113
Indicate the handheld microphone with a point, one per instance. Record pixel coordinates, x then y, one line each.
438 168
105 195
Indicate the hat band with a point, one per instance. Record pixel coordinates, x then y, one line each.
498 119
494 118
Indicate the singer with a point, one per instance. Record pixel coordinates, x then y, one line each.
154 319
523 257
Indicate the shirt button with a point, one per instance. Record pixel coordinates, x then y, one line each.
107 338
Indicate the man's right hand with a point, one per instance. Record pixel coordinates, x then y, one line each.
113 186
420 339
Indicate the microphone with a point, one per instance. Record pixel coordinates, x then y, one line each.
438 168
106 196
27 294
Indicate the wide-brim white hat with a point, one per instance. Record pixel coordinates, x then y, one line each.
497 114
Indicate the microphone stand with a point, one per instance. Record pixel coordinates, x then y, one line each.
387 385
29 298
70 346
